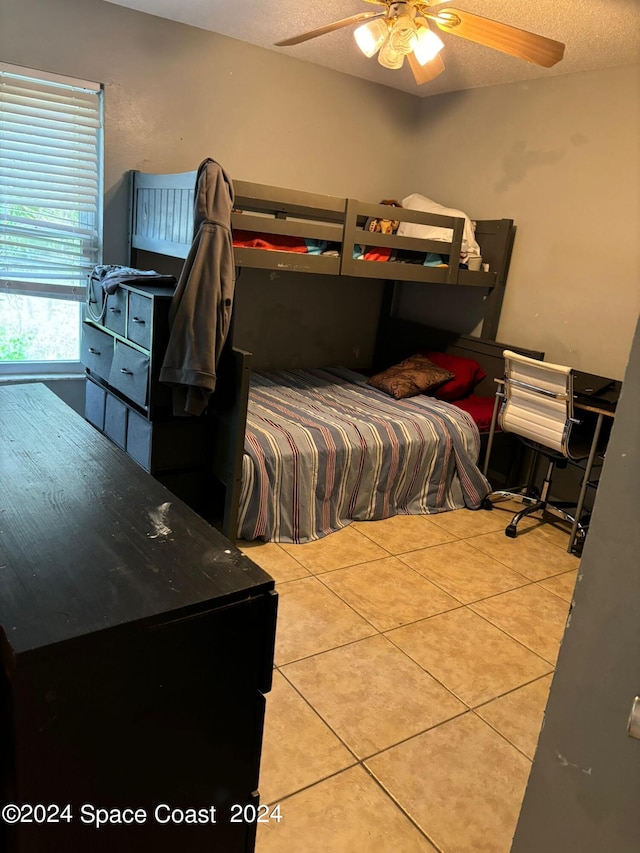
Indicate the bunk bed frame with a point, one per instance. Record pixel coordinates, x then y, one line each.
161 212
162 222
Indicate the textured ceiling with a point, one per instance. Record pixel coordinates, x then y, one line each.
600 34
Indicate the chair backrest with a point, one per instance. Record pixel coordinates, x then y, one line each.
538 402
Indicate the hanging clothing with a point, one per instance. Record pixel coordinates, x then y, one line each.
200 312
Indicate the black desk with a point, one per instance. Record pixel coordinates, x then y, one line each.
601 402
136 645
588 386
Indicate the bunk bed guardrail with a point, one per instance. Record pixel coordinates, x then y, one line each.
162 222
359 212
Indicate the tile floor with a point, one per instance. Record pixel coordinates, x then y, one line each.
414 658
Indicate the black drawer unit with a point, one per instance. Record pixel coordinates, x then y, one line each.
136 649
123 343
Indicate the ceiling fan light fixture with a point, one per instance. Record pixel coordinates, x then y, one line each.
389 57
370 36
428 45
404 28
403 35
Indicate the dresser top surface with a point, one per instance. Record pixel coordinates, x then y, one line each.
89 541
165 291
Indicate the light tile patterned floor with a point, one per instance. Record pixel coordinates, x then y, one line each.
414 658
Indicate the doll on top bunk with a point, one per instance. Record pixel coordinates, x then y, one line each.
391 226
384 226
381 226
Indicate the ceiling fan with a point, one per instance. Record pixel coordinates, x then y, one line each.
404 29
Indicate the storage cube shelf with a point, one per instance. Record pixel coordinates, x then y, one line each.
123 342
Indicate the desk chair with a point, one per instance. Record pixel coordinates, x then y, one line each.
537 406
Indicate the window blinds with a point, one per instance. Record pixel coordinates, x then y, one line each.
50 181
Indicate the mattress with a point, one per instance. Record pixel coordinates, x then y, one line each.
323 449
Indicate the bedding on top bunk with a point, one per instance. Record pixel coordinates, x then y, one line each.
307 246
322 449
303 245
415 201
279 243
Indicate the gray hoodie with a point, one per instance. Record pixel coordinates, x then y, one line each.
200 312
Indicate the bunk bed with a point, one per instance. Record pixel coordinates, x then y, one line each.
332 231
287 230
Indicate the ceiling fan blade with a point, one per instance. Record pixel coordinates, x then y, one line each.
428 71
329 28
525 45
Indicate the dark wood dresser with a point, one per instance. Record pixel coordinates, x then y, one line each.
136 646
124 338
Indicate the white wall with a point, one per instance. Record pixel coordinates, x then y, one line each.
560 156
176 94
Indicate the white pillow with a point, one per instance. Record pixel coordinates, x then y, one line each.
435 232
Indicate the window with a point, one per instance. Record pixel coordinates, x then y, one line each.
50 215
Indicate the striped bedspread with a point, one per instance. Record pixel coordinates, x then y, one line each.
323 448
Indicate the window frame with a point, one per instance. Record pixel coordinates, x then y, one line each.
51 290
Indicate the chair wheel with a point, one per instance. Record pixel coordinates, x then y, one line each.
486 504
511 531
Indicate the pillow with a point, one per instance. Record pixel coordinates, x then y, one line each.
414 375
467 374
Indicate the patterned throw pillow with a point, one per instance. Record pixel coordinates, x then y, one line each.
415 375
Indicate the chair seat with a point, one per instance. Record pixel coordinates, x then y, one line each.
578 450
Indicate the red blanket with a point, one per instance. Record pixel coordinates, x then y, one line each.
480 409
271 242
